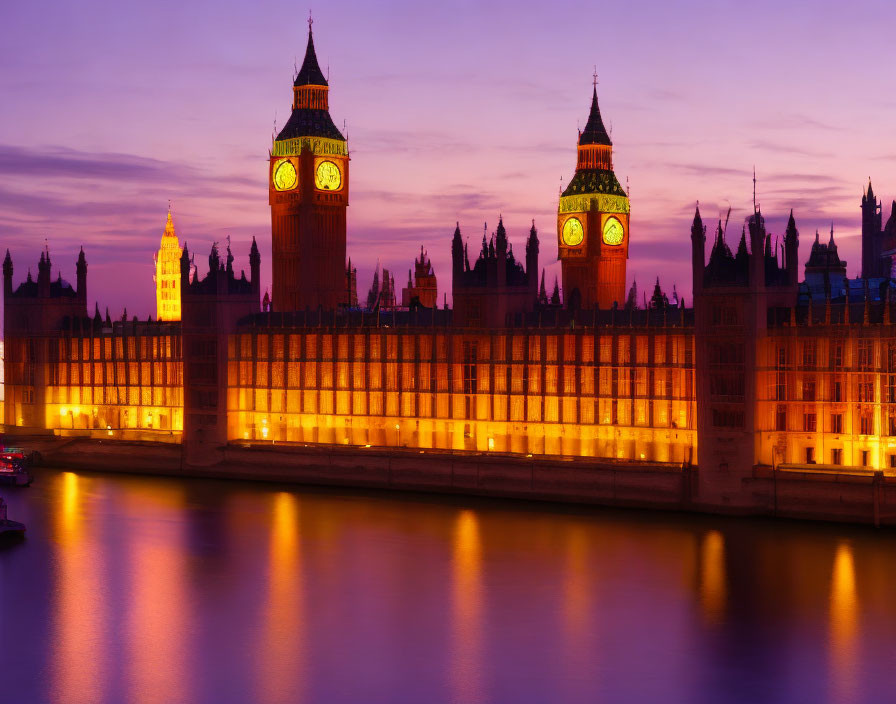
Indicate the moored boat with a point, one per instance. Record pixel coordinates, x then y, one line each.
14 464
8 528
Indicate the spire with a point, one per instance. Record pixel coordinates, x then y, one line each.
169 224
595 132
742 245
870 190
532 242
542 293
501 237
697 226
831 244
310 73
555 296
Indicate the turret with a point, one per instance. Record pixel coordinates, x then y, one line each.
184 269
756 225
43 275
871 235
532 260
457 255
501 252
254 267
81 268
698 250
7 276
791 251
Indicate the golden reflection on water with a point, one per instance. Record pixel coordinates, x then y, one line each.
280 657
844 626
713 580
157 605
467 609
77 666
577 588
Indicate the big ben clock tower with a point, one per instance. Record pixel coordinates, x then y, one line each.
308 186
592 223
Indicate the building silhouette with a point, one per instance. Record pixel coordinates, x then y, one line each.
763 370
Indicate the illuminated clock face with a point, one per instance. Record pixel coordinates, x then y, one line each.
285 176
573 232
613 231
328 177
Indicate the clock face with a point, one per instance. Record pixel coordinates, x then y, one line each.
285 176
327 176
573 232
613 231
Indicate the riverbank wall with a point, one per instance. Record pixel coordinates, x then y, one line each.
788 491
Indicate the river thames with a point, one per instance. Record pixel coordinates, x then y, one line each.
137 589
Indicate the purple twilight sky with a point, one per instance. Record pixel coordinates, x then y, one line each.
454 111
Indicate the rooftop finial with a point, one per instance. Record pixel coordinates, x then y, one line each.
754 188
595 77
310 19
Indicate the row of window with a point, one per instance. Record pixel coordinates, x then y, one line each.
864 424
839 353
610 349
466 378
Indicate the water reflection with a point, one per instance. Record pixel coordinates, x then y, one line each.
467 609
164 590
280 654
844 611
580 594
713 582
158 607
78 664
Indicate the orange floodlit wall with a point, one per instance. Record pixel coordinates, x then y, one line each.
124 382
621 393
827 396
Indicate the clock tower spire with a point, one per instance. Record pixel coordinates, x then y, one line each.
308 194
592 222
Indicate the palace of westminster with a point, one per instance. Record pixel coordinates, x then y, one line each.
763 370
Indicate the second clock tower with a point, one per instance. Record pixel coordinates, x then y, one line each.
592 223
308 186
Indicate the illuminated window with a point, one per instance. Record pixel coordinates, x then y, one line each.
809 353
865 354
866 423
809 422
781 418
808 390
837 423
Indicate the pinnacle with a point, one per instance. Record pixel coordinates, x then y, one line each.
595 132
310 73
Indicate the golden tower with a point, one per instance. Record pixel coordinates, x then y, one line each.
167 276
592 223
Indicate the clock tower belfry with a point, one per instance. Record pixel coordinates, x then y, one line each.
308 193
592 222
